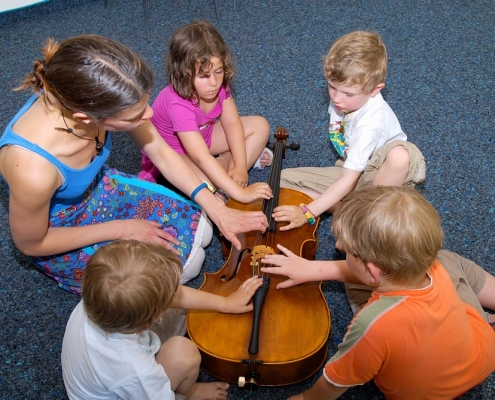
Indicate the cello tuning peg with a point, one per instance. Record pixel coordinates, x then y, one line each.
242 381
294 145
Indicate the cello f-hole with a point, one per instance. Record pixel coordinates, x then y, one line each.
224 278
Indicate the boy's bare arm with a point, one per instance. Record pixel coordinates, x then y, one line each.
299 270
336 192
321 390
330 197
236 303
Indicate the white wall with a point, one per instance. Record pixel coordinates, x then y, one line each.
6 5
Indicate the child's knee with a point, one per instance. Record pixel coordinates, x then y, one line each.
191 356
259 126
180 359
263 127
398 158
183 352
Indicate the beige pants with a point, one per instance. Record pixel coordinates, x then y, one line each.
320 178
467 277
172 324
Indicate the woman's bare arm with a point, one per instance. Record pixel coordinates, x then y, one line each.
178 173
32 182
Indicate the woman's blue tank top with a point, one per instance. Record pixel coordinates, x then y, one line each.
75 182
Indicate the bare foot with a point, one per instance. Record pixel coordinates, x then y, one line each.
265 160
208 391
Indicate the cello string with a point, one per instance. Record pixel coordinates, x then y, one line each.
268 237
269 205
275 185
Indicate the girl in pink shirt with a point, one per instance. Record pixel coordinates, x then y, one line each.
197 116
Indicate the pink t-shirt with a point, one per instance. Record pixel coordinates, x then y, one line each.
173 114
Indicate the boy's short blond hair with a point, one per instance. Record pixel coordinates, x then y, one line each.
358 58
128 284
394 228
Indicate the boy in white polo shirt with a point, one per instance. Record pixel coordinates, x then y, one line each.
363 129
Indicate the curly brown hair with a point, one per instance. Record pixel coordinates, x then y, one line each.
191 49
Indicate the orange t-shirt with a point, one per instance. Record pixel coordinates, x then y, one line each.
416 344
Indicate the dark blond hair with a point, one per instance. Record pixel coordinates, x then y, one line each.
191 48
395 228
127 285
91 74
358 58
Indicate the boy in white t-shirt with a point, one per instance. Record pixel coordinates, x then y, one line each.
109 351
363 129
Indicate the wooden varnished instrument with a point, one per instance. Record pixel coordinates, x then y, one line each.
284 340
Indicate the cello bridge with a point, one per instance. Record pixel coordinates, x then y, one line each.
260 252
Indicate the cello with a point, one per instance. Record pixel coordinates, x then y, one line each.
285 339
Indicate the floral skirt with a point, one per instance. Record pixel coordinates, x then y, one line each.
116 195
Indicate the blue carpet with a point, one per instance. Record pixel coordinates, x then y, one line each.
440 84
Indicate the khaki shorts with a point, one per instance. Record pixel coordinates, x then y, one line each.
319 179
467 277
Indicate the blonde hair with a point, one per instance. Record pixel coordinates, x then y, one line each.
358 58
127 285
395 228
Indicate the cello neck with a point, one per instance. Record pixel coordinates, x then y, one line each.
274 183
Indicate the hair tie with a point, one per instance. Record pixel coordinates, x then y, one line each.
43 61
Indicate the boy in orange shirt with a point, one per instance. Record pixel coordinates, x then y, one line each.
415 336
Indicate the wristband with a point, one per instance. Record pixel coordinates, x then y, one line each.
198 189
307 214
221 195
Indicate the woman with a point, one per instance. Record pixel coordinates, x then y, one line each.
64 202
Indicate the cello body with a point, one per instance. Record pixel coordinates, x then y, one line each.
294 324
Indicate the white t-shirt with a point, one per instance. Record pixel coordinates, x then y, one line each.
98 365
366 130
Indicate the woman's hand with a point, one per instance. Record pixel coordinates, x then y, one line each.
260 190
231 222
288 265
147 231
292 214
239 175
239 301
